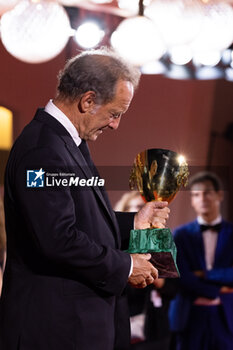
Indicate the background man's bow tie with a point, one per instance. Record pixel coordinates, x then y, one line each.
210 227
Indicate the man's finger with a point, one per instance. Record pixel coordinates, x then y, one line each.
146 256
149 280
154 273
160 205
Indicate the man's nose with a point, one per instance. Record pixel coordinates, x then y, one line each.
203 196
114 123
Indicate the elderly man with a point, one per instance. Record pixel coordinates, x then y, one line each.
203 311
65 270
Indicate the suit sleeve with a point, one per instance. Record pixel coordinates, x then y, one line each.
126 223
50 218
222 276
192 284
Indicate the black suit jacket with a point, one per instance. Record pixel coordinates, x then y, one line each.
65 271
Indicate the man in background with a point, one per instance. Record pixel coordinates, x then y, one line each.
202 313
65 271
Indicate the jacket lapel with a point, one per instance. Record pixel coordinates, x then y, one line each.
222 242
198 245
80 160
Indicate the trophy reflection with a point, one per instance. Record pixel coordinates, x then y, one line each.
157 174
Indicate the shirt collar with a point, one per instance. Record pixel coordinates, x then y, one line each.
56 113
216 221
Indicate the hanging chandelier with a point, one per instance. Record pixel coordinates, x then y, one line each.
152 33
35 31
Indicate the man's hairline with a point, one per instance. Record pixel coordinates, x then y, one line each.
61 97
201 182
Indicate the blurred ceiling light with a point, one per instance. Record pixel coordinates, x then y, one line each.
178 20
216 32
229 74
227 57
35 32
89 35
132 5
137 40
180 54
179 72
6 5
209 73
154 67
207 58
6 128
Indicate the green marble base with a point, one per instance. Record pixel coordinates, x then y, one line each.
159 243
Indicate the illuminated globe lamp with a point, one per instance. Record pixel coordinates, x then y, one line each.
35 31
180 55
6 5
179 21
137 40
216 33
89 35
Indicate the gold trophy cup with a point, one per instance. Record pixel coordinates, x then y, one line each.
157 174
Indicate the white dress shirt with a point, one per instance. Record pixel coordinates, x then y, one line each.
56 113
210 238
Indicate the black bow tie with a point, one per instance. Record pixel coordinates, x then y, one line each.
215 228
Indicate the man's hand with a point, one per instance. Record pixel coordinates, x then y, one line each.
225 289
144 273
152 214
199 273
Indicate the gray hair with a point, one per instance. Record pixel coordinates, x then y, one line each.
98 71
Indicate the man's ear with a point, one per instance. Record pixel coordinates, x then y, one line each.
87 101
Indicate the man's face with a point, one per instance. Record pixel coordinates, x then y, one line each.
108 115
205 200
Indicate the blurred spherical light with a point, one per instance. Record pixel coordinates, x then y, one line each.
227 57
6 5
229 74
35 32
154 67
179 21
217 30
179 72
180 54
207 58
209 73
88 35
132 5
137 40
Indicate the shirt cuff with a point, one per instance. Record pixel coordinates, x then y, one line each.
131 267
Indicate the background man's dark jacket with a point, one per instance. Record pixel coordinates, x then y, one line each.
190 258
